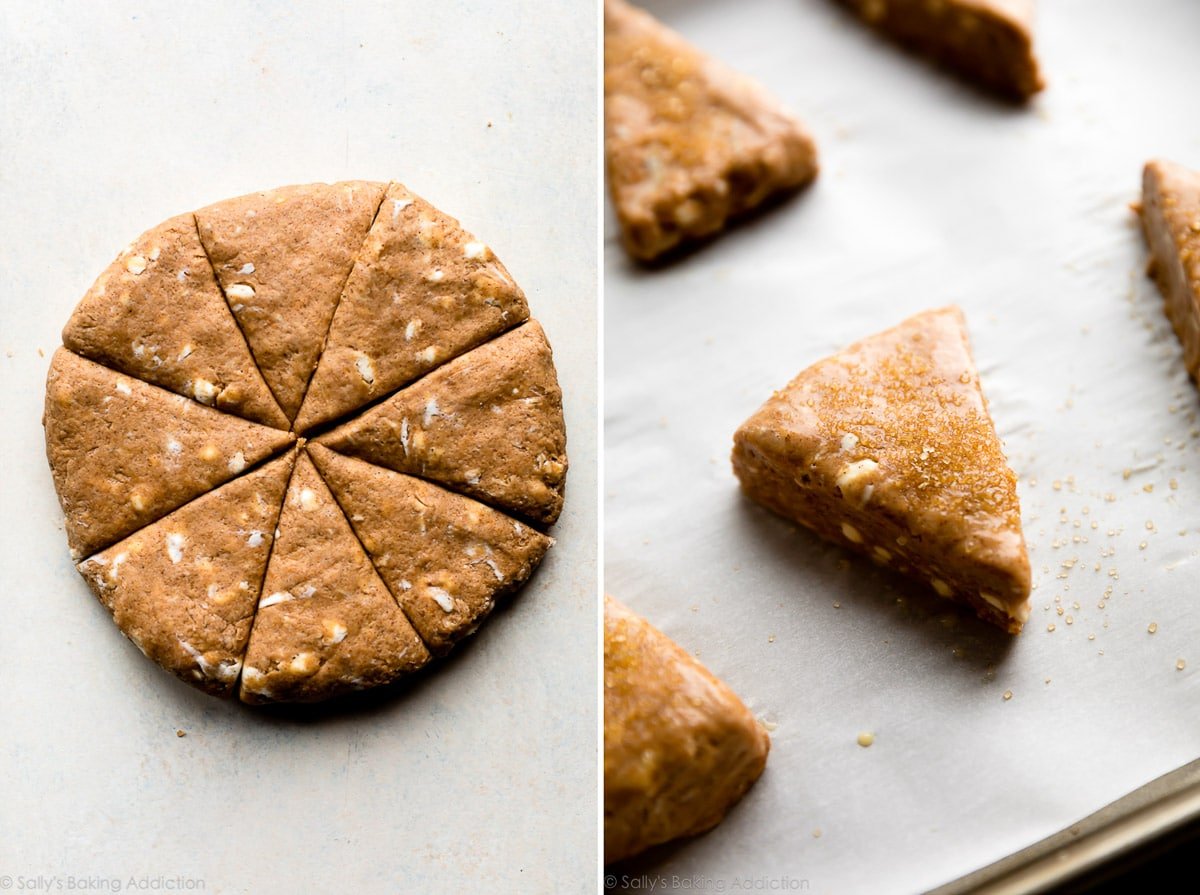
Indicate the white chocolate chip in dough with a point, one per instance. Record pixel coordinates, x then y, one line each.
154 253
853 474
442 598
851 533
115 570
436 275
398 205
849 442
414 327
204 391
253 680
335 631
304 663
405 585
174 448
175 545
308 499
404 435
429 355
993 600
182 275
280 596
135 264
185 352
255 539
237 463
123 387
366 371
475 250
431 411
228 670
138 499
240 291
247 269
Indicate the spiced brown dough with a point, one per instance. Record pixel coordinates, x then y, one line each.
184 589
446 559
680 748
124 453
1170 213
887 449
326 623
989 42
422 291
489 424
170 454
282 257
689 143
158 315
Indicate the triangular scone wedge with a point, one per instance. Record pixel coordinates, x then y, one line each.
326 623
158 315
887 448
124 453
422 291
446 558
282 257
689 142
680 748
184 589
989 42
488 423
1171 220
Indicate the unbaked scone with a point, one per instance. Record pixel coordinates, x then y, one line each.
176 411
989 42
184 589
422 291
887 449
124 453
447 559
326 623
158 315
489 424
282 257
680 748
1170 213
689 143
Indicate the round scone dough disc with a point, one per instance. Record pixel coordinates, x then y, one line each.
326 622
196 513
446 558
488 423
185 588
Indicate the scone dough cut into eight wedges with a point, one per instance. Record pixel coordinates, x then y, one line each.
887 448
689 143
305 439
988 42
680 748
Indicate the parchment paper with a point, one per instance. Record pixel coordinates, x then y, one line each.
482 774
929 194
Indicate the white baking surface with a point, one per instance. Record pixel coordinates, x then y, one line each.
117 115
929 194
